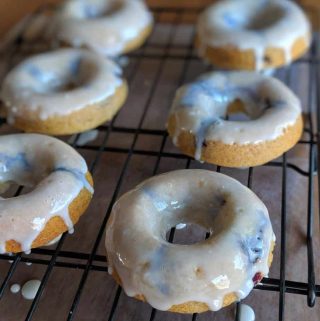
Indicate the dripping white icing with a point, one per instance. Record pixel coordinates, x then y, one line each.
201 107
101 25
84 138
253 25
227 262
54 241
123 61
246 313
54 170
59 83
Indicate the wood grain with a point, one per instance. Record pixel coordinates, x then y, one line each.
12 11
163 77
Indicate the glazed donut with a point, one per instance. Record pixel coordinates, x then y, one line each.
198 125
109 27
63 92
61 190
252 34
189 278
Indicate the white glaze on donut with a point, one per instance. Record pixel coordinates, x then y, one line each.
253 24
201 107
56 174
59 83
90 23
170 274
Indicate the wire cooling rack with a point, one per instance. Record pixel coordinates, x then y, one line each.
134 145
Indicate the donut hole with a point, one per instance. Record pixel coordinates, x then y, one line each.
71 75
265 18
236 111
93 9
198 212
256 19
187 234
239 110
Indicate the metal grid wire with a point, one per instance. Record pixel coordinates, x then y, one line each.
184 54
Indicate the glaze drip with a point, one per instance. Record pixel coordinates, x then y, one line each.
55 172
103 26
201 108
149 265
253 25
71 78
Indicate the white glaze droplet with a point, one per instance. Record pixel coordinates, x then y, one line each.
30 289
87 137
15 288
54 241
246 313
71 230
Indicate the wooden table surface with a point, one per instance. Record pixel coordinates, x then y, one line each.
19 8
100 290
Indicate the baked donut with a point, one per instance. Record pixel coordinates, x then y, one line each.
199 126
63 92
252 34
61 190
192 278
109 27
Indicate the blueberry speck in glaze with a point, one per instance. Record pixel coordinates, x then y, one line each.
75 66
35 72
90 11
268 103
223 202
159 203
231 20
202 87
257 278
253 248
9 162
156 268
267 59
